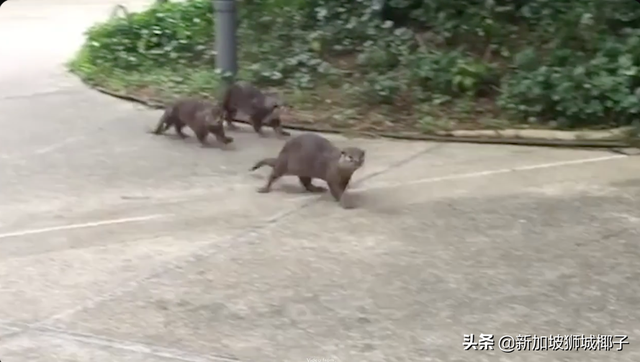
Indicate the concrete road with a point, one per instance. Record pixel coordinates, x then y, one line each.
117 245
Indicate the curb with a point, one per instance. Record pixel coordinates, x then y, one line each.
470 137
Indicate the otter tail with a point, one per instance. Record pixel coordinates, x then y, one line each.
163 124
265 162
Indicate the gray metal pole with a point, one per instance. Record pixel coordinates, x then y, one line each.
226 45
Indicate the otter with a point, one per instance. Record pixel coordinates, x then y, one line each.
202 116
262 108
310 156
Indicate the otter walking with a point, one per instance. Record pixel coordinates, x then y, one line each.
203 117
261 108
310 156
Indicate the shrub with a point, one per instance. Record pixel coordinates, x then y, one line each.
168 34
452 73
572 64
574 89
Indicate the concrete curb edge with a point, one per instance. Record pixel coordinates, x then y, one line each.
504 137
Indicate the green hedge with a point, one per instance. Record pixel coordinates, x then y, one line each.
561 63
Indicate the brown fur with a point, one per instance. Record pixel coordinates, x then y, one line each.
262 108
310 156
201 116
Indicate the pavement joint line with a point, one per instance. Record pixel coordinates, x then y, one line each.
252 233
402 162
360 181
172 353
88 338
492 172
55 252
81 226
168 266
247 236
57 145
355 190
13 326
56 92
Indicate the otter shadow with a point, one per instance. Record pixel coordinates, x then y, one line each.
192 141
291 186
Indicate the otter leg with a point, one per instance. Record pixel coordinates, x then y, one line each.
218 131
278 171
166 121
230 116
277 127
306 182
223 139
257 126
179 126
162 125
202 134
337 189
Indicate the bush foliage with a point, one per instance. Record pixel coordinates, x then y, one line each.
556 63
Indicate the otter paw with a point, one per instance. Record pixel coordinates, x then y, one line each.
317 189
347 205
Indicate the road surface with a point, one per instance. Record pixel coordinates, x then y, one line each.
117 245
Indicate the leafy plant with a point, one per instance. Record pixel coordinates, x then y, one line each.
570 64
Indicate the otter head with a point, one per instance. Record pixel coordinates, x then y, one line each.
351 158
